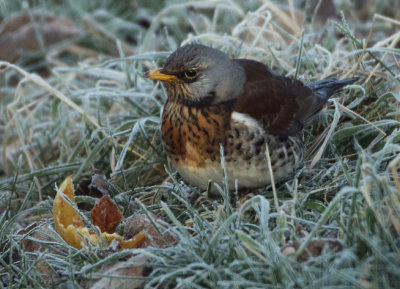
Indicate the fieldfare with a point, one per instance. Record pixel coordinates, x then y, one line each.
240 104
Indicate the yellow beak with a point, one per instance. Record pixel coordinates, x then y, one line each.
156 74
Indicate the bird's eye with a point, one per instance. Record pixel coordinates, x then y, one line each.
190 73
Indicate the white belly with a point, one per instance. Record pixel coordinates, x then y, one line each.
247 163
246 176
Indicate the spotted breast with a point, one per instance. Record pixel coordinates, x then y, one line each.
193 136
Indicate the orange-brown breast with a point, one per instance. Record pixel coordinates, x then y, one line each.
191 134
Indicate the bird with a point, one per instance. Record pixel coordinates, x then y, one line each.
241 105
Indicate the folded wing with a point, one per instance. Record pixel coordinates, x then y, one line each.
281 104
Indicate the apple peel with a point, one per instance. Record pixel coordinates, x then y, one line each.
71 228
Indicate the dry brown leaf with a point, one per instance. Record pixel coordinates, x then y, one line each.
134 266
106 215
34 32
141 223
313 249
95 187
35 238
28 244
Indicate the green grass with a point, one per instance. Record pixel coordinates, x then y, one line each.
99 112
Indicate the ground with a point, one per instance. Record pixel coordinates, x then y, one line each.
74 103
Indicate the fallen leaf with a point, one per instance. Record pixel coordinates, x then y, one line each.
141 223
94 187
98 184
121 273
31 239
313 249
30 244
106 215
34 32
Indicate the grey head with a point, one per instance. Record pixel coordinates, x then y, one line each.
204 75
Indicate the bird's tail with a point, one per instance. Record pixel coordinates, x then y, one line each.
325 88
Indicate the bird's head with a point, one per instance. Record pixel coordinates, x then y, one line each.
198 75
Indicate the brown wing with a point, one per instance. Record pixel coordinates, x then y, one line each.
281 104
